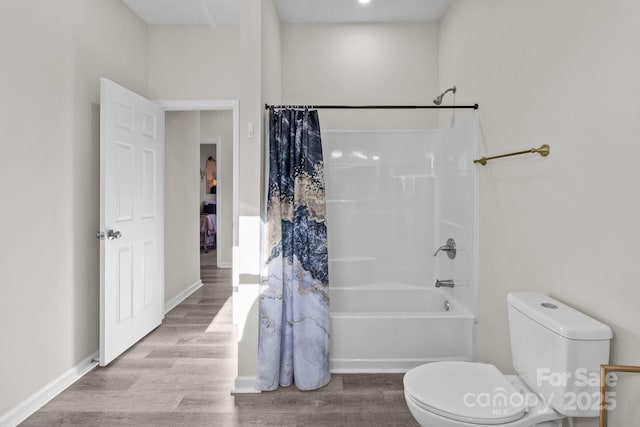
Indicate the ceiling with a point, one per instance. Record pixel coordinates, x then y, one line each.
212 12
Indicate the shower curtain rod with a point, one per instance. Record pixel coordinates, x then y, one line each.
374 107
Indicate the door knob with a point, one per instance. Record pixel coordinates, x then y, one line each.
112 235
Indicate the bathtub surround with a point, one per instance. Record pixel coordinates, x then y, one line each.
392 198
293 346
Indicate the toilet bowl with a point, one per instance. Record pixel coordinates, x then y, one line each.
548 340
465 394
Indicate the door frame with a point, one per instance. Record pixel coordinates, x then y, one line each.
217 105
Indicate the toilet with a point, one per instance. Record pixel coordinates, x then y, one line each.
556 352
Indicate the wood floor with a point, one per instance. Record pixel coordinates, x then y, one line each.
181 374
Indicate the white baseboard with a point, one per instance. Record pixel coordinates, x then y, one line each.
37 400
225 265
170 305
245 385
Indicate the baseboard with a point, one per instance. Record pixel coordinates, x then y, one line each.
170 305
36 401
245 385
225 265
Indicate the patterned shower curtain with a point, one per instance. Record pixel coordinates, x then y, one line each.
294 291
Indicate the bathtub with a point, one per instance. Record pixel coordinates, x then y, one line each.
396 328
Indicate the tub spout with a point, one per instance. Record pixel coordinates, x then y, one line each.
444 283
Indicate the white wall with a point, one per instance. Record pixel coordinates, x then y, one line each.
362 64
194 62
261 76
563 73
246 256
271 53
53 56
182 202
214 124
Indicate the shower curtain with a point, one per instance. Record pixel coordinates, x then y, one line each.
294 291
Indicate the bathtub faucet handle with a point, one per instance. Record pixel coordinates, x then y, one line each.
444 283
449 248
441 248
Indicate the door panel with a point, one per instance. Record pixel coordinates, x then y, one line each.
124 178
125 282
131 218
148 184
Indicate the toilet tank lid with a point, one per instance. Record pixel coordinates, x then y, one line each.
558 317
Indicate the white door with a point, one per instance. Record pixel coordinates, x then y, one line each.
131 218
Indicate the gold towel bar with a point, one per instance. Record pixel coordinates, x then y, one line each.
604 387
543 151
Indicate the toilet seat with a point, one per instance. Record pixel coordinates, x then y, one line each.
475 393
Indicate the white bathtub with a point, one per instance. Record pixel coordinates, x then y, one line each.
395 328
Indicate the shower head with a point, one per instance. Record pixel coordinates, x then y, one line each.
438 99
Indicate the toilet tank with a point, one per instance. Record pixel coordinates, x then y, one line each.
557 351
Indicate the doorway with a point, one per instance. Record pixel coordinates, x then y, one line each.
216 162
192 125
